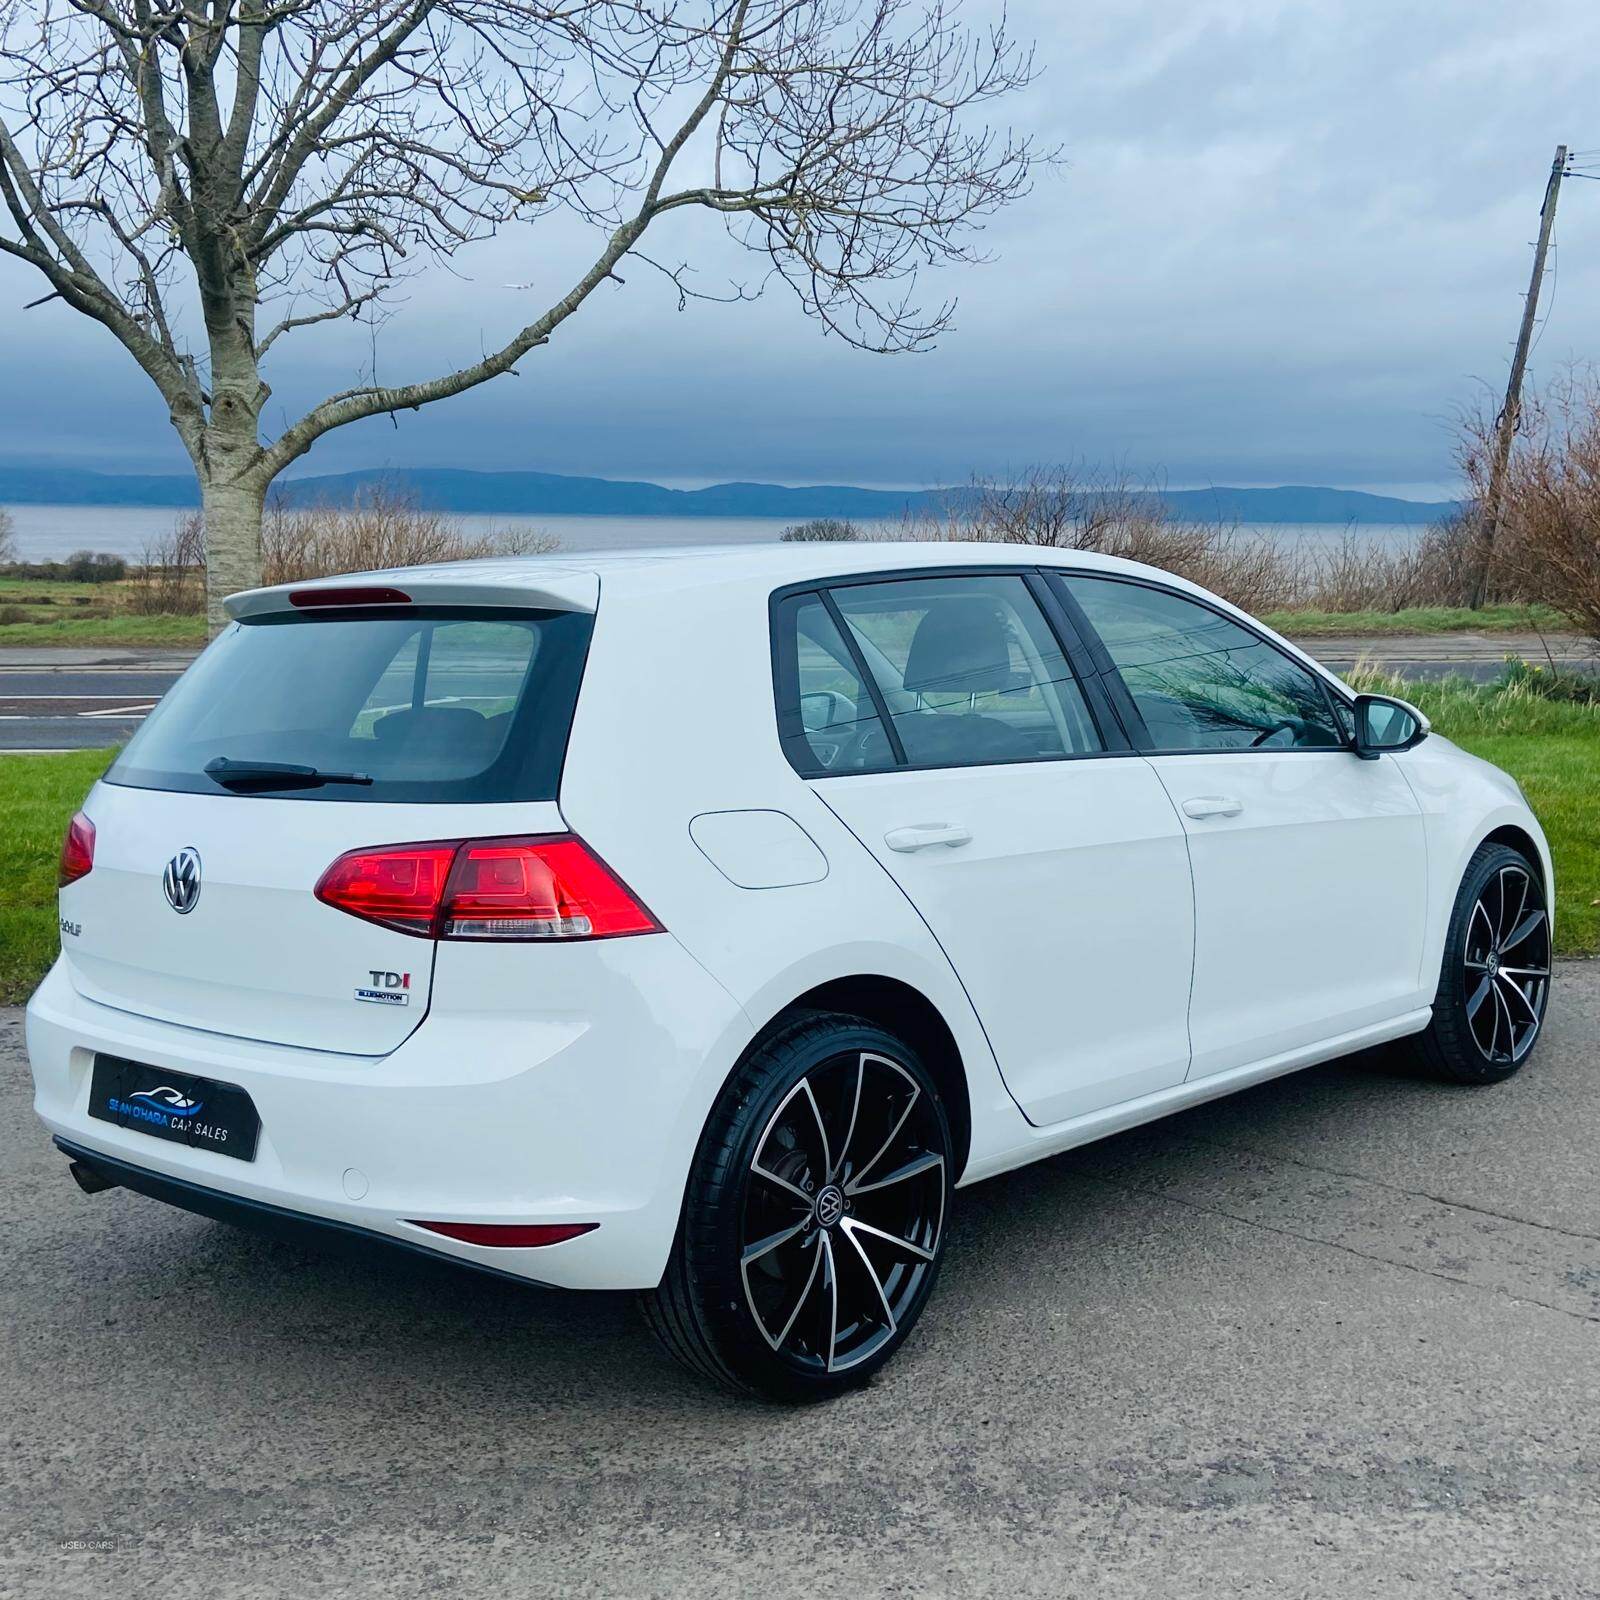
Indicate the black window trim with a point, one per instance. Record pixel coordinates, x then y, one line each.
1123 698
1067 634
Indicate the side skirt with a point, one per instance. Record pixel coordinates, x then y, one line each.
1059 1136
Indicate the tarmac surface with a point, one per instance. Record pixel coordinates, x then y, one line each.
1336 1336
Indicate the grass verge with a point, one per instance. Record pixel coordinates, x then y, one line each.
37 796
88 632
1417 619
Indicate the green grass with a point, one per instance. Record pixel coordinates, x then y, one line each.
178 632
37 796
1418 619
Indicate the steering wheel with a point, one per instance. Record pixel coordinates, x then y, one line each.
1277 728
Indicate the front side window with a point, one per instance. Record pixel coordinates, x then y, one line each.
1200 681
969 670
417 705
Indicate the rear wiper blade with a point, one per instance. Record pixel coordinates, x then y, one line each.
275 775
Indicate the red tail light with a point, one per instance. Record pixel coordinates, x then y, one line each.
77 851
551 887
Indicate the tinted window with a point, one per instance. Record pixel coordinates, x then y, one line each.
1202 682
969 670
834 727
432 705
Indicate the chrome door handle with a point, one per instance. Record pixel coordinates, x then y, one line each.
1213 805
919 835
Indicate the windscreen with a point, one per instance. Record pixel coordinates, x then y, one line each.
431 705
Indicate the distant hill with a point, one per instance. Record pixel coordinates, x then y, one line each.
552 494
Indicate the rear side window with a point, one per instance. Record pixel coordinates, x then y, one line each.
1200 681
433 706
969 670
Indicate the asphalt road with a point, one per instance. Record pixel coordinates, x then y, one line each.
1337 1336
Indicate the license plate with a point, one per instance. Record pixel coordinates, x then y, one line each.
199 1112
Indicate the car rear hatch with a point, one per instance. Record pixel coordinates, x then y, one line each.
315 725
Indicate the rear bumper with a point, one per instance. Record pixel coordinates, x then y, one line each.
586 1114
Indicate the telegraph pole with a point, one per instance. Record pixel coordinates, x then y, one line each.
1510 412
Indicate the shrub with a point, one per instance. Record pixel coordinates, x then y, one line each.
820 530
380 530
94 566
171 579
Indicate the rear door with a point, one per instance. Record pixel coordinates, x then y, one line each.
939 718
200 907
1310 867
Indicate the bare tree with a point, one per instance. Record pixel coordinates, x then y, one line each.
8 538
207 177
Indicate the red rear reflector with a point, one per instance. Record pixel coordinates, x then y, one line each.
543 887
77 851
354 595
509 1235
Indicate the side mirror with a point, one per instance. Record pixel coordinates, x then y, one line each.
1385 725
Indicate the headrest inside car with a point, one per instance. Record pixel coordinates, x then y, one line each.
961 646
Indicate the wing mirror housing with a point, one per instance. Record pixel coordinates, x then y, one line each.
1385 725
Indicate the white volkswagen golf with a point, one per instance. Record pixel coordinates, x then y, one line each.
696 922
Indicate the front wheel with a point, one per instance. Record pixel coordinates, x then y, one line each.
813 1222
1495 981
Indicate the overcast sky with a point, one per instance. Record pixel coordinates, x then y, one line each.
1291 238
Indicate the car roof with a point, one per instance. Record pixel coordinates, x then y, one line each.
773 564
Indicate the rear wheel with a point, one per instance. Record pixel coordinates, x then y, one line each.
1495 981
813 1222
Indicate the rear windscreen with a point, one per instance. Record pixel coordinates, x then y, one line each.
433 705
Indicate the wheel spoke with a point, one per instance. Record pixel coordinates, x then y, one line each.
855 1115
1525 972
1501 1009
1479 909
789 1321
854 1225
855 1185
1507 918
872 1272
794 1189
833 1288
1478 996
1529 925
822 1131
764 1246
911 1169
1533 1015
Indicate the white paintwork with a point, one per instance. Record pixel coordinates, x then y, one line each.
1311 894
1047 911
1068 916
759 849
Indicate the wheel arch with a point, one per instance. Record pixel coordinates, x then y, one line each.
902 1009
1523 842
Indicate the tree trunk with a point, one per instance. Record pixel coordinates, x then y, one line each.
232 506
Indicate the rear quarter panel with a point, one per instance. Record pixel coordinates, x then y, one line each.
675 719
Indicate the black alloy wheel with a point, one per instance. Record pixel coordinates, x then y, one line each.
814 1219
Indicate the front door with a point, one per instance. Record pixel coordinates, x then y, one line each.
1053 872
1310 868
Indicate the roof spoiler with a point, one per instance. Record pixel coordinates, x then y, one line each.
561 590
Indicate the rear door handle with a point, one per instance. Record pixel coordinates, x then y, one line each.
1213 805
919 835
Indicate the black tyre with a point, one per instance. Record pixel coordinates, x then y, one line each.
1495 981
813 1221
